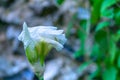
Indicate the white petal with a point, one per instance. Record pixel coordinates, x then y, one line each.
61 39
48 33
42 27
55 44
25 36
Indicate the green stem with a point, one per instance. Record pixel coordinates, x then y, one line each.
41 78
38 69
39 74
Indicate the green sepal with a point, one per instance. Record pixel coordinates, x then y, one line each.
31 54
42 49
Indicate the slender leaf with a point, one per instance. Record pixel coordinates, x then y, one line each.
118 63
112 50
95 50
106 4
106 11
110 74
84 66
94 74
102 25
109 13
95 15
117 16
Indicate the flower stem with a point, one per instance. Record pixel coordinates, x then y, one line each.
41 78
38 69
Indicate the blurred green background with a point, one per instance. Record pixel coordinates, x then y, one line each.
92 27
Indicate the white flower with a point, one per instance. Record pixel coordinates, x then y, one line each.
39 40
48 34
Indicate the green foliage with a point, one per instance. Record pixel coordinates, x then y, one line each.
106 4
108 14
118 63
84 66
59 2
112 50
105 28
70 25
117 16
82 35
106 9
102 25
94 74
95 13
110 74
